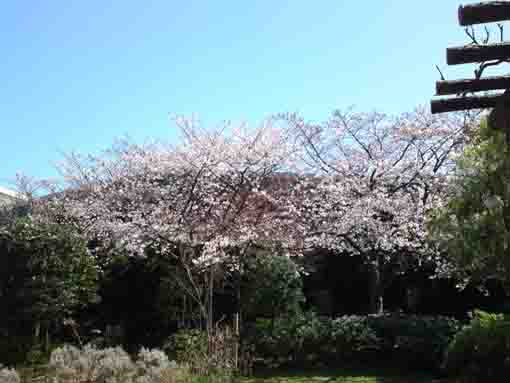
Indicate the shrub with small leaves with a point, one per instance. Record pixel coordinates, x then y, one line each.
8 375
481 350
184 343
110 365
153 359
153 366
416 341
289 338
113 365
210 356
352 337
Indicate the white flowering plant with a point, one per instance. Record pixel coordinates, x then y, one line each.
112 365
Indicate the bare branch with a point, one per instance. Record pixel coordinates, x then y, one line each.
440 73
470 31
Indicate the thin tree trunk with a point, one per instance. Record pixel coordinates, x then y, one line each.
376 286
37 332
238 317
210 320
47 338
236 345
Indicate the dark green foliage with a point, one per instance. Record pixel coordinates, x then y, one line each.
481 350
184 343
407 340
474 225
272 286
46 272
131 291
46 275
205 354
307 338
416 341
284 339
353 338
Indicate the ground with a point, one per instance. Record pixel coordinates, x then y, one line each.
354 375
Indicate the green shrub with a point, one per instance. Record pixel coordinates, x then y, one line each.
14 348
285 339
185 343
308 338
271 287
46 276
417 341
212 357
412 340
481 350
352 338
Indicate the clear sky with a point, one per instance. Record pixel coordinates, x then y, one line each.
77 74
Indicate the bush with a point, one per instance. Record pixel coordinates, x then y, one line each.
14 348
113 365
352 338
212 357
307 338
283 339
185 343
417 341
8 375
481 350
271 287
46 275
412 340
89 364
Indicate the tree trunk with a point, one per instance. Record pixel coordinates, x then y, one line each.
47 338
37 333
376 286
238 317
210 319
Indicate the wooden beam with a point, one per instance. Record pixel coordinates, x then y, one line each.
486 12
464 103
472 85
477 53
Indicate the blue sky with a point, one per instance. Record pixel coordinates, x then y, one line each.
76 74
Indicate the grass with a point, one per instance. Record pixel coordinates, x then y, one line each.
346 375
340 375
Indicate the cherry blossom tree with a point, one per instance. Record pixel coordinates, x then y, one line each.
360 183
215 191
373 179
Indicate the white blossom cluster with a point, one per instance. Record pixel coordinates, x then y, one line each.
211 192
375 178
361 183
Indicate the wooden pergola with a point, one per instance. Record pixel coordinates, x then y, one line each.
485 55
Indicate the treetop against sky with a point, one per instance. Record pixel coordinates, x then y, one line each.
76 75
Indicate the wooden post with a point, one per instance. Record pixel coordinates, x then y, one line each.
486 12
483 54
472 85
477 53
465 103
